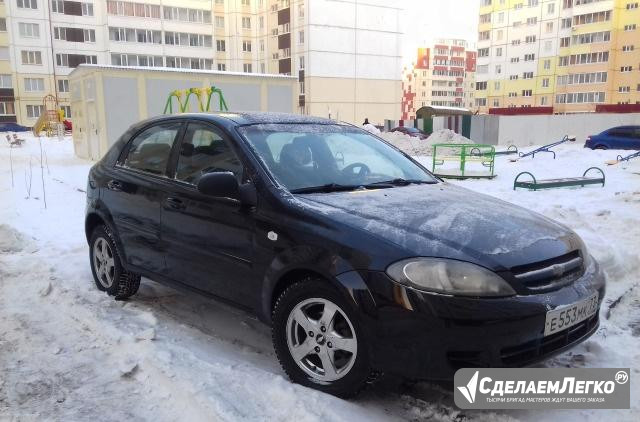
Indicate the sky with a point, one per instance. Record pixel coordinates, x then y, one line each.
431 19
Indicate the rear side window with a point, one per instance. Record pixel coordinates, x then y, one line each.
622 132
151 149
204 150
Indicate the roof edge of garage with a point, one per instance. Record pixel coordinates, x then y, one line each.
90 67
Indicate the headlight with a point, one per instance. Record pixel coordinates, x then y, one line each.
449 276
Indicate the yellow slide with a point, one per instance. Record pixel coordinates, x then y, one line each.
40 124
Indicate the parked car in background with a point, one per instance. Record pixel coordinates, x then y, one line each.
359 258
621 137
411 131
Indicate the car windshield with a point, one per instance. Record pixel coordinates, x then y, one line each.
308 157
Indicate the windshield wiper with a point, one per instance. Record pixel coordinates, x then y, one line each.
402 182
329 187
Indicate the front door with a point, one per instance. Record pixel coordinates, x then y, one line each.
209 240
134 193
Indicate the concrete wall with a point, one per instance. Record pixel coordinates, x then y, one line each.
532 130
106 100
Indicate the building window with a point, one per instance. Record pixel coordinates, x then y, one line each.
7 108
627 48
141 10
551 8
565 42
219 22
547 64
624 89
565 23
527 75
31 57
631 27
34 111
301 62
498 69
496 86
548 27
483 52
222 67
87 9
246 23
5 81
481 86
301 10
66 110
3 24
545 82
27 4
185 14
246 67
246 2
626 69
532 21
529 57
543 100
530 39
63 85
632 6
301 37
484 35
33 84
221 45
29 30
246 46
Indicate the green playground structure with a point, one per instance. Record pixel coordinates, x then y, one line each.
537 184
462 155
201 94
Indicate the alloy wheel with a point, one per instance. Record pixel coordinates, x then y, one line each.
321 339
103 262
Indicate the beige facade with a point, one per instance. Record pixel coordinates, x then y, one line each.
337 50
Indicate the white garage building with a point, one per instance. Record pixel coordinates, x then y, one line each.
106 100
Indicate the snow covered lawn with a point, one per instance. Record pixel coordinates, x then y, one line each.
69 352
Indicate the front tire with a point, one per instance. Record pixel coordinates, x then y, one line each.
318 339
106 266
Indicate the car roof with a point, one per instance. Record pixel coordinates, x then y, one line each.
247 118
625 127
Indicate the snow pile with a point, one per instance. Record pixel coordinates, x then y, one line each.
69 352
415 146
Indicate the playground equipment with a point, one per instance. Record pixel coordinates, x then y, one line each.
512 149
51 117
201 94
620 158
547 148
558 183
463 154
14 141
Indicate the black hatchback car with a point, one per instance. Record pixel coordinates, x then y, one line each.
361 260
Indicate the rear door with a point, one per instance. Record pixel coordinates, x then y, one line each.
134 194
210 240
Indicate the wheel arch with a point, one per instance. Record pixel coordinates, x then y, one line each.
302 263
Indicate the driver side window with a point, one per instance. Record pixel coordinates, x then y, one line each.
204 150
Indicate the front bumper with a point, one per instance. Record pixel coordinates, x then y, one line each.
429 336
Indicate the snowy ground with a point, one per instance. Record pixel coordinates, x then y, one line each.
68 352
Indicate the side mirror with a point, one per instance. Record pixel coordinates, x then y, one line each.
219 184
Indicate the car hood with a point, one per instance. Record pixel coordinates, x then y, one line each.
443 220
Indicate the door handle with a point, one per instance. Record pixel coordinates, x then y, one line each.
175 203
114 185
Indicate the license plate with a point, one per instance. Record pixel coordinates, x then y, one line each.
568 316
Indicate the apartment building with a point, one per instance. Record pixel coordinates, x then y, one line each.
566 55
442 75
345 53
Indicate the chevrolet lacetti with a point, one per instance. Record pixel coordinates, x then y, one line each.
360 260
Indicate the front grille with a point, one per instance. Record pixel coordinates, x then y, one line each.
550 274
534 350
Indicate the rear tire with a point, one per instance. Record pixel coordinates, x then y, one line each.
106 266
318 339
600 147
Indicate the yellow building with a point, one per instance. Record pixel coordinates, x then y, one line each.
571 55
